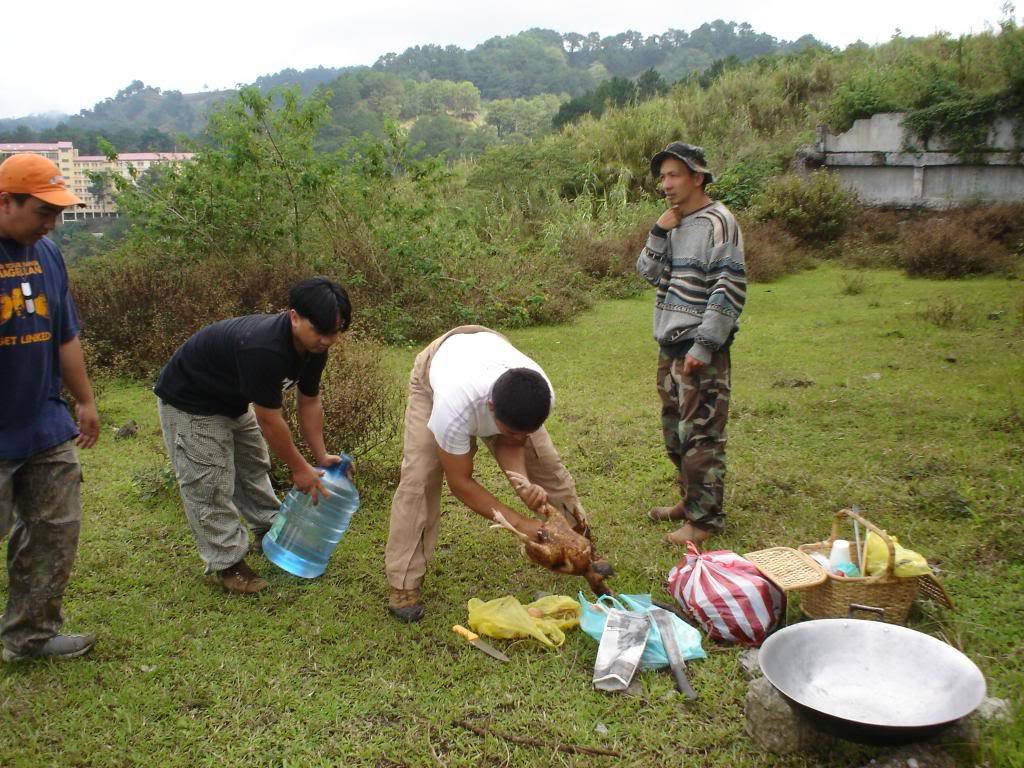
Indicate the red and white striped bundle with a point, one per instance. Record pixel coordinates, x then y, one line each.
727 595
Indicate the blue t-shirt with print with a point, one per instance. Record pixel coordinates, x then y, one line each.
37 315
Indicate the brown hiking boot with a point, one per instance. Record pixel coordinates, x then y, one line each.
404 604
240 579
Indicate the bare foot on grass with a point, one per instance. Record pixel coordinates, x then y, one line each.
663 514
688 532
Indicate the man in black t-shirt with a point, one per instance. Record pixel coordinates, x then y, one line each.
220 400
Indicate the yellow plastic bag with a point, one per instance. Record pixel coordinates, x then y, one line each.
544 620
907 562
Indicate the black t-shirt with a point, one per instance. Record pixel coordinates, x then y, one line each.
241 360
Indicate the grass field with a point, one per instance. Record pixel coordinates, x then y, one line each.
904 397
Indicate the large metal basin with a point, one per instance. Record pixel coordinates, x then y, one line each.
870 681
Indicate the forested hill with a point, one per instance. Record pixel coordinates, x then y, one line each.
542 61
530 64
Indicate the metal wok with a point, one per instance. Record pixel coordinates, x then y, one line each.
872 682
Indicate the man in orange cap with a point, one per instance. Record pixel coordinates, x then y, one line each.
39 470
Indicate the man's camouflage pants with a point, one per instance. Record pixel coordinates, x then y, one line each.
694 412
41 495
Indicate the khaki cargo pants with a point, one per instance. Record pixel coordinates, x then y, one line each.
41 496
222 466
694 413
416 508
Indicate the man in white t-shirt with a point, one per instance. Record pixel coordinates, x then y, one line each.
469 383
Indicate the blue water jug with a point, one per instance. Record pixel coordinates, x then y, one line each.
305 534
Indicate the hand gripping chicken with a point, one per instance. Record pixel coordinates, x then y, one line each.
562 546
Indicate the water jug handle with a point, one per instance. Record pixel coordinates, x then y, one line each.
341 468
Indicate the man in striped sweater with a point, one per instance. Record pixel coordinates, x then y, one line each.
694 257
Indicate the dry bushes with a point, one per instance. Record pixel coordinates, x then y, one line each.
1003 224
602 255
948 250
361 401
138 311
770 251
874 239
945 244
963 242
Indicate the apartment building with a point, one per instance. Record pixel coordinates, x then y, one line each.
99 200
63 153
131 165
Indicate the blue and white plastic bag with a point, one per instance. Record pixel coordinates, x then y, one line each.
595 615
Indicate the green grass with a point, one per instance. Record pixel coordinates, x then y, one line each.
839 398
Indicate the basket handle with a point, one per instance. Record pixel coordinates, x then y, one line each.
866 608
890 565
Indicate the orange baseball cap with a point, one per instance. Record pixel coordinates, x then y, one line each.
35 175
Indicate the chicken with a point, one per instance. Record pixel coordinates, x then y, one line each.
564 544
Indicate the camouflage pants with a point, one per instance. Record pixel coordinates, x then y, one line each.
41 495
694 412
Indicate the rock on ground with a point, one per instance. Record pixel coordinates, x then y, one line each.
749 665
774 724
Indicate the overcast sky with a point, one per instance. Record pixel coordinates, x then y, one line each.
83 52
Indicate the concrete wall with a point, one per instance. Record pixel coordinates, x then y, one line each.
875 159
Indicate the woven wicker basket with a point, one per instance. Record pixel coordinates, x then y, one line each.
787 568
833 597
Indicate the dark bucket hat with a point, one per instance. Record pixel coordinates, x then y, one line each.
688 153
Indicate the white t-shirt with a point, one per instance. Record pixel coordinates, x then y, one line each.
462 374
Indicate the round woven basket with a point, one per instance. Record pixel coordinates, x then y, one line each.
833 597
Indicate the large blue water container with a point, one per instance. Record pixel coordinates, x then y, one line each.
305 534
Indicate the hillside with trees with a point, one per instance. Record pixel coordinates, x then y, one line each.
455 102
529 230
543 61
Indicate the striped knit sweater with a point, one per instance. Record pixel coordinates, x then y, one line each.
701 279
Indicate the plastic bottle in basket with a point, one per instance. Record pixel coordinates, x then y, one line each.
839 559
305 534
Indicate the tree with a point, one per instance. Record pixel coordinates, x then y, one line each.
438 135
649 85
254 188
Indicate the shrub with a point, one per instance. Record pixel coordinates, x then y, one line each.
815 210
1003 223
771 252
873 239
602 255
361 401
138 311
740 183
599 235
946 248
853 283
945 313
863 95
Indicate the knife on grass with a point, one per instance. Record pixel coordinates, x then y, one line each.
675 659
474 640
